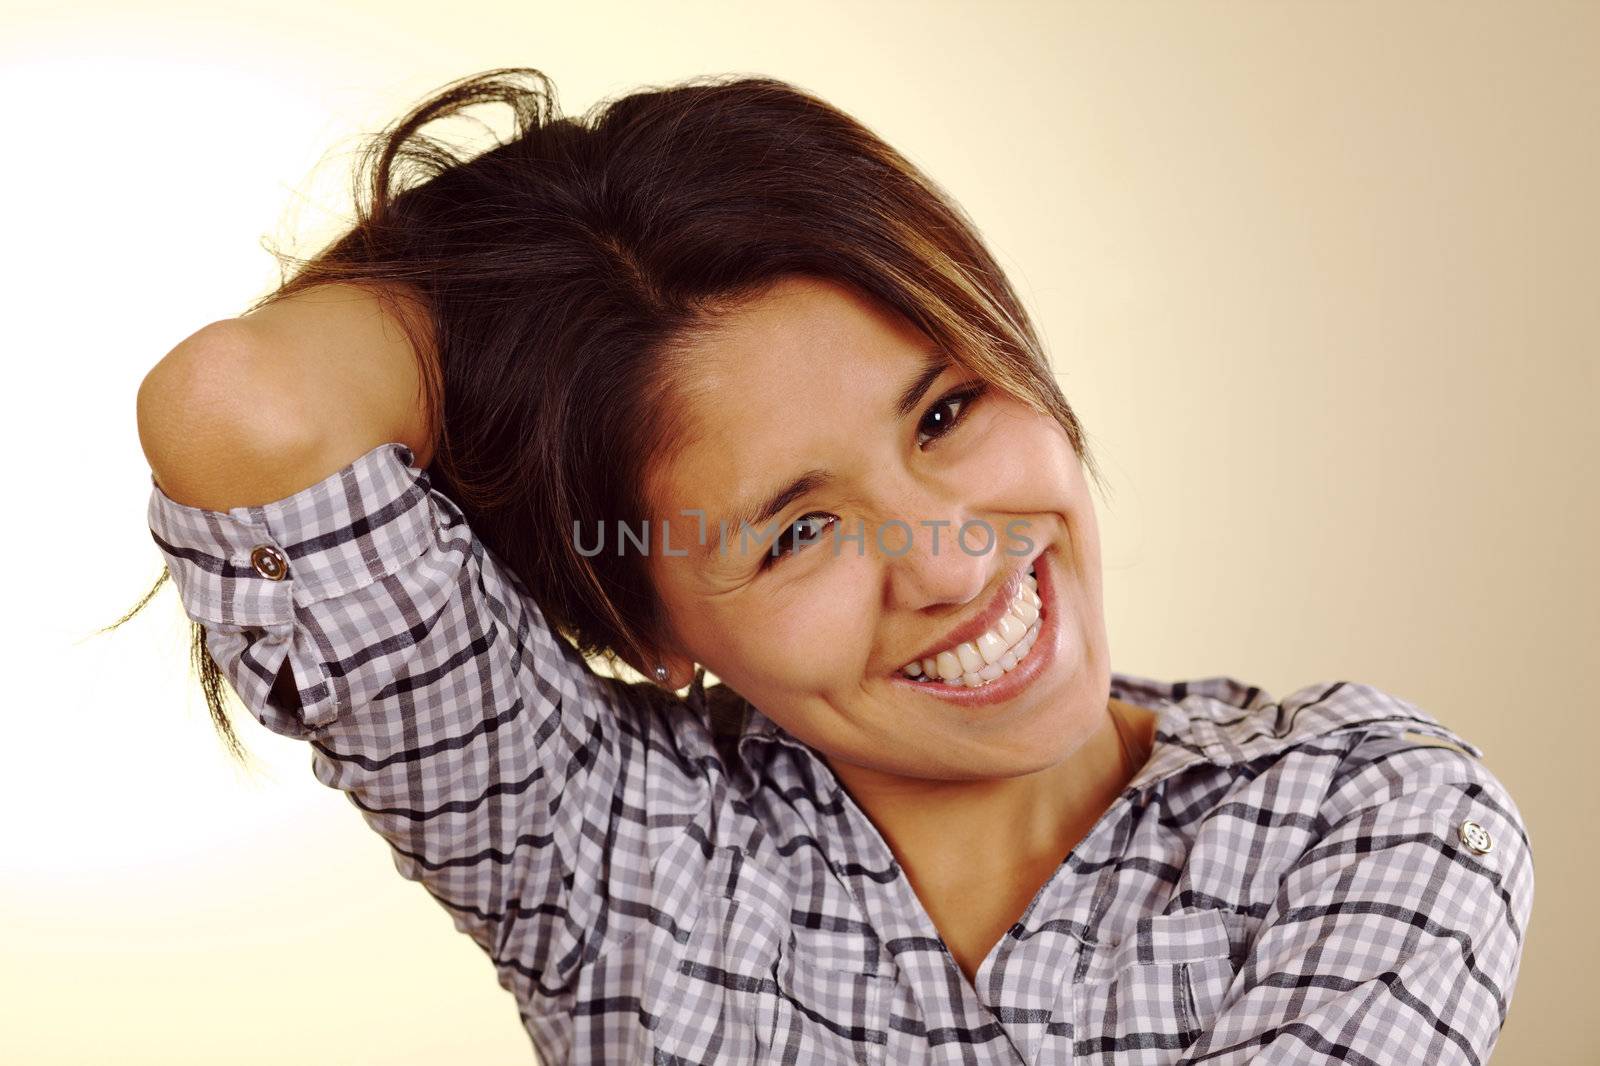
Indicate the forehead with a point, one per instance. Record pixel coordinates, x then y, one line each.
782 382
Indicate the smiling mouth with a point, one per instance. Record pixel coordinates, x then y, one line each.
1000 650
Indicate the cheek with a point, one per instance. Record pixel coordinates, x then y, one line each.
1026 461
817 634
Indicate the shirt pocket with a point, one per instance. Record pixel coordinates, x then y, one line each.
743 989
1146 998
826 1013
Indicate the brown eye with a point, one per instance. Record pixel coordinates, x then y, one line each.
945 413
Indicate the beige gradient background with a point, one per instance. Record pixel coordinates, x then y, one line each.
1320 279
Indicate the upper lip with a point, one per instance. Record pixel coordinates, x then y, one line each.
980 623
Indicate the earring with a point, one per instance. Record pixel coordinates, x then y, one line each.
662 673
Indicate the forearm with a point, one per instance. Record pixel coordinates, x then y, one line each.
252 409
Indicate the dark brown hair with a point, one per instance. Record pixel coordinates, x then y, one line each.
565 272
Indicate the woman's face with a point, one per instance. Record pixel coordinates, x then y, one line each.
811 379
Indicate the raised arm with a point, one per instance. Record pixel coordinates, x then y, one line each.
253 409
348 603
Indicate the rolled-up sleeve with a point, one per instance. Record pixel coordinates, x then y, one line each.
1397 935
344 579
431 690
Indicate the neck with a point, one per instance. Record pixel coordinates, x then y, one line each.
949 833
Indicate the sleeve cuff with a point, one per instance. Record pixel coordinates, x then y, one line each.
252 566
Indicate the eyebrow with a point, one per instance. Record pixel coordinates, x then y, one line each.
812 480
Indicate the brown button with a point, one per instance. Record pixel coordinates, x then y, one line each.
269 562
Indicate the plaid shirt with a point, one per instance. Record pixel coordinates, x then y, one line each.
1333 876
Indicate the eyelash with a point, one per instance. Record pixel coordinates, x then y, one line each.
964 398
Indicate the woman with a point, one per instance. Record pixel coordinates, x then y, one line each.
713 381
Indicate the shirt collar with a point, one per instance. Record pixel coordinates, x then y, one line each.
1217 720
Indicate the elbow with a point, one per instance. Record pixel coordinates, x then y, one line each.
218 422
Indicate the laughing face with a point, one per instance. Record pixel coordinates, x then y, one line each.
925 600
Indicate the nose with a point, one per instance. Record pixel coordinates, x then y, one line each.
938 566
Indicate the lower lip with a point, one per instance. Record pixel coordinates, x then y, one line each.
1007 685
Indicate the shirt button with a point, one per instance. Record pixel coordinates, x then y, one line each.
269 562
1475 836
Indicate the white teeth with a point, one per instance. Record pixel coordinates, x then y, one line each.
971 661
994 671
992 647
973 664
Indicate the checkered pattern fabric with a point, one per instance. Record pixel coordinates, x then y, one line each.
670 880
